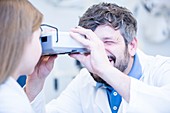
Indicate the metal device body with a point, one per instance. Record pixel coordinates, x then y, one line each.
55 42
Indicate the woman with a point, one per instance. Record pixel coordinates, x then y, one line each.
20 51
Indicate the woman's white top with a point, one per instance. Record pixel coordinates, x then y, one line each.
13 98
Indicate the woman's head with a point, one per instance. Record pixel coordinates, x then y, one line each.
19 19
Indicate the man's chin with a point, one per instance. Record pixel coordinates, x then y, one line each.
97 78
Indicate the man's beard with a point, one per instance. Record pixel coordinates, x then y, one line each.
122 65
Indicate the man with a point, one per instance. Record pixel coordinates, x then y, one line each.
115 77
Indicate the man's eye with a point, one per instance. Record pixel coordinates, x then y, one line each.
109 42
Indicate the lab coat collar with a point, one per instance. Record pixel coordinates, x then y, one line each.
101 100
12 83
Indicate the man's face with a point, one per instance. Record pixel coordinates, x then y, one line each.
115 47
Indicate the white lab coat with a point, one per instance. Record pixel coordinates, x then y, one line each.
13 99
150 94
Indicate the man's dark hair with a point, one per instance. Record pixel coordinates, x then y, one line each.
113 15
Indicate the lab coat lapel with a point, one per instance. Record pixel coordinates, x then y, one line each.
101 101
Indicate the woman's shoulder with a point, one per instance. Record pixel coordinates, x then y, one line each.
13 98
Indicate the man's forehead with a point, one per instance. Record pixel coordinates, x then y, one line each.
107 32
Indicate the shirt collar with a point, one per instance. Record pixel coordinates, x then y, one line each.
102 85
135 72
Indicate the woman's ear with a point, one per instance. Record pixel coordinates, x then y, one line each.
132 47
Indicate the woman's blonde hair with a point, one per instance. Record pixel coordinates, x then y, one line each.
18 20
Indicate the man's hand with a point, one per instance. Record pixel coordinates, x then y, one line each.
97 55
35 81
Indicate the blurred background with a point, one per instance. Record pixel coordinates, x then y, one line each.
153 18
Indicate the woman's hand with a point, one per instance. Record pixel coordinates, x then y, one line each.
35 81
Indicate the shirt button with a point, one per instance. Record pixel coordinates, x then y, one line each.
114 108
115 93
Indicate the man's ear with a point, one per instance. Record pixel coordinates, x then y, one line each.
132 47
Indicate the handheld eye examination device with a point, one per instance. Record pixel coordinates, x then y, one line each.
56 42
